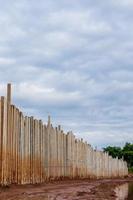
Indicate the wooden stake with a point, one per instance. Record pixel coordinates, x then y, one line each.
9 93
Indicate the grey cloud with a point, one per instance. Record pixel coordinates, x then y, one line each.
73 60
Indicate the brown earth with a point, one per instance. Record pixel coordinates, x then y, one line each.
65 190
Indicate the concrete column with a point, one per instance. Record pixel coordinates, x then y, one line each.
4 178
0 142
44 153
9 93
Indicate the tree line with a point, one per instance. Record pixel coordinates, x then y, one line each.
125 152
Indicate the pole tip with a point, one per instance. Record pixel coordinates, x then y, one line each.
9 93
49 120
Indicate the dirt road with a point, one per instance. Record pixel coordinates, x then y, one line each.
64 190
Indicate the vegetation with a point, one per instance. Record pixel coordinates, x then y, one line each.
126 153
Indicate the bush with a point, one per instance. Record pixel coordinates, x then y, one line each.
130 169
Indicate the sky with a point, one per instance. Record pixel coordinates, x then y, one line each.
73 60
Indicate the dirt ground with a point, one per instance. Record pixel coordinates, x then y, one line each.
65 190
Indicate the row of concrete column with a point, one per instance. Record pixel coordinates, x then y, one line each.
33 152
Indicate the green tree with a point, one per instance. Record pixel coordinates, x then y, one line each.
128 147
114 151
126 153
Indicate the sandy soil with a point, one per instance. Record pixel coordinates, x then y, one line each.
64 190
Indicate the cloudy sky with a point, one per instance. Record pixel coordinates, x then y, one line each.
72 59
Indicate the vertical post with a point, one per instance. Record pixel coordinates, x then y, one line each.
4 167
0 143
9 131
9 93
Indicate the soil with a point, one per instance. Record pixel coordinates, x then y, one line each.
65 190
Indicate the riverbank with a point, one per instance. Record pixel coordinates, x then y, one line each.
65 190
